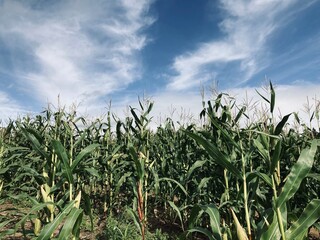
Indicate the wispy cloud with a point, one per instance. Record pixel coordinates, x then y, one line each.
246 28
299 64
9 109
82 50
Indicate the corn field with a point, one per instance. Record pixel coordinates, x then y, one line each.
62 176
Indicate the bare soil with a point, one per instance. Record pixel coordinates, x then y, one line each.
9 211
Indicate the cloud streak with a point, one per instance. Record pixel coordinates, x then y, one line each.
81 50
9 109
246 29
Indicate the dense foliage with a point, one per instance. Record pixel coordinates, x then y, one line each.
226 179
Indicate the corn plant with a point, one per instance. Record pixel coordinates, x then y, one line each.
272 179
230 177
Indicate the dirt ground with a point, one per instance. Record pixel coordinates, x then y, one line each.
9 211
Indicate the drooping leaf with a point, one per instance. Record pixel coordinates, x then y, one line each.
281 124
273 231
70 223
203 183
84 152
177 210
264 98
308 217
204 231
262 176
178 184
298 172
315 176
214 215
242 110
195 214
51 227
261 149
135 218
36 141
136 118
62 154
194 166
229 138
216 154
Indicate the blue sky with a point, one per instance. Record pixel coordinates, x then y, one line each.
91 52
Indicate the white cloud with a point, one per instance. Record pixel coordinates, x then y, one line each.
247 26
82 50
9 109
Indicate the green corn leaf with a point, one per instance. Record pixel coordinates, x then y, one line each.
301 236
214 215
261 149
216 154
87 207
240 113
92 171
51 227
62 154
136 118
172 180
296 117
149 107
7 232
195 214
135 218
309 216
122 180
36 140
315 176
4 223
203 183
265 139
177 210
272 98
196 165
275 157
281 124
262 176
264 98
229 138
4 170
298 172
80 139
284 216
312 116
115 150
76 227
141 105
70 224
35 209
204 231
84 152
156 181
139 164
272 231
